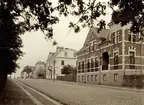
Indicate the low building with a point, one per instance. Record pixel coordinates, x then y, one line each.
56 61
106 57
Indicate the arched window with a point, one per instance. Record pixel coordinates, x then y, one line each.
96 64
116 60
92 65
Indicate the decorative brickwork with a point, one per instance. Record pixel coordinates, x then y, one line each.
109 55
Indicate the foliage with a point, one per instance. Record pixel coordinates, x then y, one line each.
87 12
28 69
129 11
68 69
133 81
41 72
19 16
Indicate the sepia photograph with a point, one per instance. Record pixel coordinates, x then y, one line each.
72 52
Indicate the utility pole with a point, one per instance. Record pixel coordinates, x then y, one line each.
85 65
54 68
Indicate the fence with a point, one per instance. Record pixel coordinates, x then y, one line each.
71 78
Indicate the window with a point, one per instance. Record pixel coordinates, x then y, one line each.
91 77
82 78
104 77
115 37
105 61
88 65
115 77
132 60
82 66
79 66
116 60
92 65
74 54
87 77
132 37
78 78
62 62
95 77
65 54
96 64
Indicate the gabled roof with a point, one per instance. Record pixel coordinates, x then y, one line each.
53 55
93 34
58 50
50 55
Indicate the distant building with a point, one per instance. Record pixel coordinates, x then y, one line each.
57 60
109 55
38 65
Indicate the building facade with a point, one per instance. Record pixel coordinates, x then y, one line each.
109 55
56 61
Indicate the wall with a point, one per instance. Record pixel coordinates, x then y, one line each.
71 78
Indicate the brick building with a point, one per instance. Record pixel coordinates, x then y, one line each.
109 55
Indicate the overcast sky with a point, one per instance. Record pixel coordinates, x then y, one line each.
37 48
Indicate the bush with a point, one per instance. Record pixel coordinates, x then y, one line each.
133 81
41 73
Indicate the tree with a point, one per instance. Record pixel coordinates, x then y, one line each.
68 69
129 11
19 16
41 72
28 69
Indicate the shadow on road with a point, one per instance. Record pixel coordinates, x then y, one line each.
13 95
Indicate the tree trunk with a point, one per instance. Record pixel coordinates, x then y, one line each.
3 80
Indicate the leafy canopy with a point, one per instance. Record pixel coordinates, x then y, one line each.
19 16
68 69
28 69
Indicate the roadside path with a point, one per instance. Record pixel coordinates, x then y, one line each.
14 95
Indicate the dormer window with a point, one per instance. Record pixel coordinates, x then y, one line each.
65 54
132 37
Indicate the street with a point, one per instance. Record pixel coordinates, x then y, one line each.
80 94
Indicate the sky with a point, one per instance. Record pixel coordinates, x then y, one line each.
37 48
